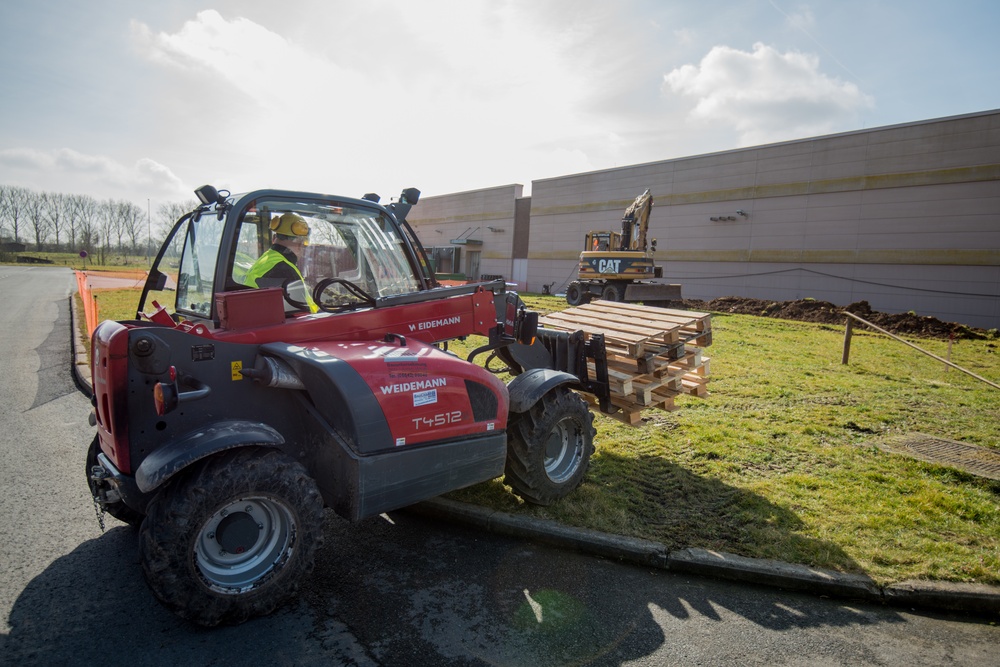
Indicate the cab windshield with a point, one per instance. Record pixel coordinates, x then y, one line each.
356 253
338 245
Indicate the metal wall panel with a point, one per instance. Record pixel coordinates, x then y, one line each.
906 217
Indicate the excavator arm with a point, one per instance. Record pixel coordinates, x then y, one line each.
635 223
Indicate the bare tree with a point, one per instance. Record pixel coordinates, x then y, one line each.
3 209
85 215
14 207
90 224
131 217
35 212
107 223
117 210
167 214
56 211
72 222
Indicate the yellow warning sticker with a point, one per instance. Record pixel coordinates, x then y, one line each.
237 366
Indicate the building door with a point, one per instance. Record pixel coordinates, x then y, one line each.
472 264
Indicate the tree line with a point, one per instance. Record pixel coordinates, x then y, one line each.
57 222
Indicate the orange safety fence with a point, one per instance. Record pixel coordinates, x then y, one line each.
89 302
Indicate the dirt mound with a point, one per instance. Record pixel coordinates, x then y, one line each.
810 310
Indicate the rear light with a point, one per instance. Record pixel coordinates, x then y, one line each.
165 394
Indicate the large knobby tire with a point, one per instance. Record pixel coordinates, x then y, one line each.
574 294
549 447
118 510
232 538
612 293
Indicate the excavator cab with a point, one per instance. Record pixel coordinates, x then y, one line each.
602 241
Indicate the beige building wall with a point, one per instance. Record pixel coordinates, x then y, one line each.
479 220
906 217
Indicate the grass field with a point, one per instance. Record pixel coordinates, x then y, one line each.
782 462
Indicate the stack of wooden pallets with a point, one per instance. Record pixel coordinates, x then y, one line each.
654 354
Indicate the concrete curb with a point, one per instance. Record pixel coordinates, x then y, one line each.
775 573
79 365
967 598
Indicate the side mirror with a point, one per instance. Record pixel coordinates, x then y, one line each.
410 196
207 194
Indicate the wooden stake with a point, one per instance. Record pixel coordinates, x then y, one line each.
951 337
848 333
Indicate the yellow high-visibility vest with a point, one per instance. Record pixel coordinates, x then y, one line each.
268 261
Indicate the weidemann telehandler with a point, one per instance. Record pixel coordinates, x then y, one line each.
229 420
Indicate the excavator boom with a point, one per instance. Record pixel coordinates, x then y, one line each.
635 222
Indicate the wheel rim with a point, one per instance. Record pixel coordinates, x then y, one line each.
563 452
243 542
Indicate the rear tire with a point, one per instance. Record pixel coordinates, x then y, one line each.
574 294
549 447
118 510
233 538
612 293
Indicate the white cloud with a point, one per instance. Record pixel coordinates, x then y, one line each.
67 170
242 53
158 176
766 95
484 86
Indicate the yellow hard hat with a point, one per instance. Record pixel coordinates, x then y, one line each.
290 224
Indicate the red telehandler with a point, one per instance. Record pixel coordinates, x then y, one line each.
228 419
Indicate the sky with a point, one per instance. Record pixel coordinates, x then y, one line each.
146 101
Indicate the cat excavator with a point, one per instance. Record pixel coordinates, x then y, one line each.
619 266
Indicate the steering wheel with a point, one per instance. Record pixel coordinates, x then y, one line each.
345 303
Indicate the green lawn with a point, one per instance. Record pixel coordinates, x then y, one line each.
781 461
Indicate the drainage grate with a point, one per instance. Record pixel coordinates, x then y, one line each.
973 459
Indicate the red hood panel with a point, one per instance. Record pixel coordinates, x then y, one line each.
423 391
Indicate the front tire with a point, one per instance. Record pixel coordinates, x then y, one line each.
574 294
232 539
549 447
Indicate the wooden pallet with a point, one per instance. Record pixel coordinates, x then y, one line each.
625 329
654 354
685 318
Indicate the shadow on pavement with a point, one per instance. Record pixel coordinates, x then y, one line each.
401 589
92 606
408 587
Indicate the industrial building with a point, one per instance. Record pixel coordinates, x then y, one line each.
906 217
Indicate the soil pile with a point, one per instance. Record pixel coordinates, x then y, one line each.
810 310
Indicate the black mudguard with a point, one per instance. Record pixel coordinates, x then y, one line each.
570 353
170 459
528 388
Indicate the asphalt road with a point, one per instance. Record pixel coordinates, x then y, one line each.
395 590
